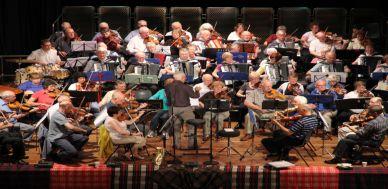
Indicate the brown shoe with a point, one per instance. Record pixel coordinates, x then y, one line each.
247 137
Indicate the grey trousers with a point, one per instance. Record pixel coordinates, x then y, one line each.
259 116
182 115
219 118
26 129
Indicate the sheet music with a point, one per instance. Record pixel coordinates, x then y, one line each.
194 101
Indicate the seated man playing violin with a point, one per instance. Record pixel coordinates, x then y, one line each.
120 86
63 44
8 98
247 37
9 136
103 26
65 134
138 43
112 41
292 87
178 26
287 137
357 120
253 102
372 134
219 92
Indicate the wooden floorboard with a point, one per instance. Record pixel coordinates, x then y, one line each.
90 151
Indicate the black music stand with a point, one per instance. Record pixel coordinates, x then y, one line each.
359 71
211 53
83 97
215 105
291 53
348 55
381 93
101 76
379 75
328 102
371 62
351 103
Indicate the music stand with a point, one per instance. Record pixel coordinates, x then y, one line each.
351 103
327 102
348 55
359 71
211 53
101 76
379 75
371 62
247 47
83 46
275 104
241 57
341 76
76 62
83 97
291 53
381 93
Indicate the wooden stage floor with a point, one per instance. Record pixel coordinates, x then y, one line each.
90 151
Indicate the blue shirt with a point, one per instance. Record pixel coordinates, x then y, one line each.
29 86
320 106
4 106
161 95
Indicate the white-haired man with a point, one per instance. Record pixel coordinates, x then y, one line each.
137 43
103 26
178 26
140 23
98 63
279 42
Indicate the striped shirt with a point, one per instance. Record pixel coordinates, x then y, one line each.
303 126
375 129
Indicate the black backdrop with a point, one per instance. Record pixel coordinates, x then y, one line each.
24 22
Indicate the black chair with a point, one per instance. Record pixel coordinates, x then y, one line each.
155 17
374 149
118 17
294 18
196 123
332 18
188 16
225 17
127 148
303 145
251 16
82 19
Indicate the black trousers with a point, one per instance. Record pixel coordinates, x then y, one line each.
345 146
280 144
16 141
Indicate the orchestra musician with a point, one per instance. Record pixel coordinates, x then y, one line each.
251 85
227 65
359 92
45 55
326 65
63 44
235 35
161 115
34 84
292 87
120 86
287 137
253 102
356 120
112 40
327 113
140 23
271 66
10 137
358 42
103 26
279 42
204 87
218 92
181 64
138 42
383 84
117 126
138 60
58 34
44 98
309 36
178 95
15 117
318 47
99 63
178 26
383 65
369 52
273 37
371 134
247 37
65 134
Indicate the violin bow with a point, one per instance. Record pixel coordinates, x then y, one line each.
327 27
215 25
294 32
249 26
60 93
87 83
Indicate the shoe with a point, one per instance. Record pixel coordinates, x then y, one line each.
356 162
246 137
333 161
165 135
239 127
151 134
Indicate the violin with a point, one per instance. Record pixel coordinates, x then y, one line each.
16 105
222 95
80 115
291 118
339 89
365 93
112 41
274 95
294 89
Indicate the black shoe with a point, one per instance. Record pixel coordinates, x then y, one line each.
239 127
333 161
356 162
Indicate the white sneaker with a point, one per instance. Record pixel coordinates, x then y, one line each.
151 134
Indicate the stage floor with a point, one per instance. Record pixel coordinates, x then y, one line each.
90 151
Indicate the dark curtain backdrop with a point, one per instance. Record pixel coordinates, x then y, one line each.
23 23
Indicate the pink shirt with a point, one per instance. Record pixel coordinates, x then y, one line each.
42 97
